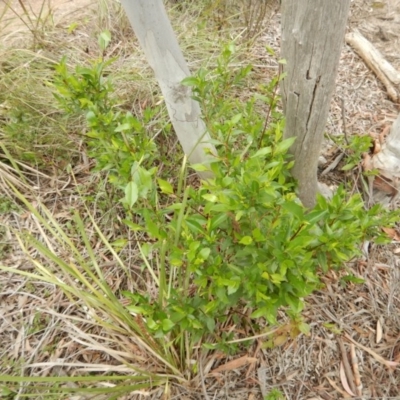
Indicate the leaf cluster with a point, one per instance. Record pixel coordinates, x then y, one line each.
117 140
240 240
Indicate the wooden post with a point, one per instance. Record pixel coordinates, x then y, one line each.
312 38
153 29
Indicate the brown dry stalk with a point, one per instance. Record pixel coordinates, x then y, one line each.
389 364
234 364
335 386
356 371
346 365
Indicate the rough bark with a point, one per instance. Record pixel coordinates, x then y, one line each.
312 38
156 37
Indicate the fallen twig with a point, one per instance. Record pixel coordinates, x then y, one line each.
375 61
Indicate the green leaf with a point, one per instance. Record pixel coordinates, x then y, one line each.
257 235
165 186
152 324
265 275
332 327
304 328
262 152
190 81
204 253
90 116
210 197
210 323
236 119
238 271
122 127
219 208
174 207
352 278
233 288
296 304
246 240
315 216
239 215
104 39
136 309
151 227
176 262
200 167
131 194
131 225
300 242
260 312
322 261
294 209
217 220
283 146
142 178
270 50
72 27
167 325
119 243
225 281
277 279
178 315
347 167
302 288
194 225
147 248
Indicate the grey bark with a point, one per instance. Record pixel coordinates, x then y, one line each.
153 29
312 38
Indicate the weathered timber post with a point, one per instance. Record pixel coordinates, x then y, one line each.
312 38
153 29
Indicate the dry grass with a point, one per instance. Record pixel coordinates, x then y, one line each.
46 333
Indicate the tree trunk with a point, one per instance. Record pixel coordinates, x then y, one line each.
154 32
312 37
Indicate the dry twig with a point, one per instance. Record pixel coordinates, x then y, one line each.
356 371
346 365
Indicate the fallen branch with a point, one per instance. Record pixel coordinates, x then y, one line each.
389 76
380 359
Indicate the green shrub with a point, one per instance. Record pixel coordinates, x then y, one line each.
239 240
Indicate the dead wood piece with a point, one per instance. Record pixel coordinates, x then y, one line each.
387 162
356 371
334 164
346 364
385 72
